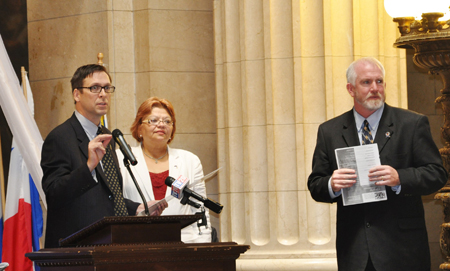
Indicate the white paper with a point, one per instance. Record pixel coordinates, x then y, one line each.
155 205
361 159
209 175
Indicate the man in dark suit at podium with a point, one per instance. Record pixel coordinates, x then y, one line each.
81 181
384 235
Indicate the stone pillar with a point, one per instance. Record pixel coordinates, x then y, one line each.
280 72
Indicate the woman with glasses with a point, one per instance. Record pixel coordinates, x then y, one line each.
154 128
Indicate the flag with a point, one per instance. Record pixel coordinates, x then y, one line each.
23 216
20 120
23 222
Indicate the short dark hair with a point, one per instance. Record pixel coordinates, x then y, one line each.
84 71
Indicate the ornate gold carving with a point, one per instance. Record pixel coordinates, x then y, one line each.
430 39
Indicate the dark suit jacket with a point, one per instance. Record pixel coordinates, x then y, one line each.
74 198
393 232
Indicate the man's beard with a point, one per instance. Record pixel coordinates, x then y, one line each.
371 104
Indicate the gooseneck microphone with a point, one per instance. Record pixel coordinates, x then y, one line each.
128 158
124 147
208 203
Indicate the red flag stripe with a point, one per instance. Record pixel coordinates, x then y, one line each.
17 239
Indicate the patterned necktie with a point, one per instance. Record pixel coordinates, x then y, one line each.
110 171
366 134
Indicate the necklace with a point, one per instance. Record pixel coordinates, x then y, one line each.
156 159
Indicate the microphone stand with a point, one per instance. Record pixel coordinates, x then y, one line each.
204 221
185 199
127 165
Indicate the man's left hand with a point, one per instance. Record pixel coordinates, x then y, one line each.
384 175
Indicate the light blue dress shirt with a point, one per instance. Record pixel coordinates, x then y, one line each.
91 131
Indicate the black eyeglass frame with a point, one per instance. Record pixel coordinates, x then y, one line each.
108 89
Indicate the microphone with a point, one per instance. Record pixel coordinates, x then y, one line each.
177 187
128 158
209 203
124 147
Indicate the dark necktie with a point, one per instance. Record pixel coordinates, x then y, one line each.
110 171
366 134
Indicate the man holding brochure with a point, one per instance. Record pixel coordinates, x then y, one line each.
388 234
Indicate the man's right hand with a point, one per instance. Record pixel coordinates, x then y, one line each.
343 178
97 149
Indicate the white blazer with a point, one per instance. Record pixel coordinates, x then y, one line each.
181 162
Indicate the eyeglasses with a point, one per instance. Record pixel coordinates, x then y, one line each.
156 121
98 89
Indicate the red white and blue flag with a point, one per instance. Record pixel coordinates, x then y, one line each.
23 223
23 216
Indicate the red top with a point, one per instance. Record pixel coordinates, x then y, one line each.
159 187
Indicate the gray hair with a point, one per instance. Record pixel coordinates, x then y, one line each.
351 73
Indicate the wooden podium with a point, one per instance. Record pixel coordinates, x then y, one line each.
137 243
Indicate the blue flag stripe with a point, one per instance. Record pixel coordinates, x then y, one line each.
36 217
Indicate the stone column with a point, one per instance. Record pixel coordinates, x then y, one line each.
280 72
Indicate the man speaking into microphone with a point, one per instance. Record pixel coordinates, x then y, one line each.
81 180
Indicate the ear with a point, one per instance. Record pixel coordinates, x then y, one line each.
76 95
140 130
351 89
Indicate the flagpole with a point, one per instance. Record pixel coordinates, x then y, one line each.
103 119
100 59
24 82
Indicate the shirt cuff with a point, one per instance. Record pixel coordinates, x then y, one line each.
333 194
397 189
94 175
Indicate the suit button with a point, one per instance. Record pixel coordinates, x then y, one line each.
110 197
367 225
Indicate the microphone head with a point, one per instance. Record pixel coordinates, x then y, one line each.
213 206
124 147
169 180
117 133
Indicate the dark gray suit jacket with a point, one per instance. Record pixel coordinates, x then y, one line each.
74 199
393 232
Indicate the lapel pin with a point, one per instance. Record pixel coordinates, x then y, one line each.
388 134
